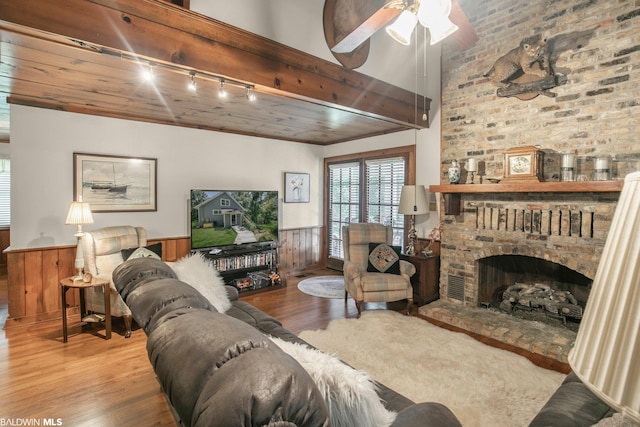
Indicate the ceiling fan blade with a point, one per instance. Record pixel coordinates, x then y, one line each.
378 18
466 35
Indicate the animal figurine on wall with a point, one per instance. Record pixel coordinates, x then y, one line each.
530 57
525 71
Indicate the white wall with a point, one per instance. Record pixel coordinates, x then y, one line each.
42 147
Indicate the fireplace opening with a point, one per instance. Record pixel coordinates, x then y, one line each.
533 289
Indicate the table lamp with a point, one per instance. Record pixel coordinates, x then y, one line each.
413 201
79 214
472 168
606 354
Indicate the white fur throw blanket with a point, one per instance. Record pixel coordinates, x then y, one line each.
199 272
349 394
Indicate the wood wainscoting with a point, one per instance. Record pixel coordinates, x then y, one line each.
300 249
33 279
5 241
34 274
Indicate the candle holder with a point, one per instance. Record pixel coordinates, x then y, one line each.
601 168
471 177
567 168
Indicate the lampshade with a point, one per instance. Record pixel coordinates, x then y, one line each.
606 354
402 28
413 200
79 214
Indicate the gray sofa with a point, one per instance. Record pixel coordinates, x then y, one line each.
572 405
222 370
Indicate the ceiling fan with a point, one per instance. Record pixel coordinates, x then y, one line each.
349 24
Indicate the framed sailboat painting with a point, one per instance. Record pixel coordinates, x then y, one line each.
115 183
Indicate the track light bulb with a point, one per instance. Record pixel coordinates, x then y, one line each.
192 82
250 95
147 73
222 93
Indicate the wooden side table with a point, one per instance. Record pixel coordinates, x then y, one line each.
426 281
69 283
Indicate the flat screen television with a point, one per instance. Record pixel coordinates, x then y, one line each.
223 218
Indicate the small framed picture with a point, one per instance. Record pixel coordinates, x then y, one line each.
115 183
296 187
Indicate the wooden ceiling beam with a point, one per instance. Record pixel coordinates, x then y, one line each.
167 33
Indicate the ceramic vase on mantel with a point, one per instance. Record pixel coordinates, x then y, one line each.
454 172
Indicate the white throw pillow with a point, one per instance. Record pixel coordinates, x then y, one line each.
197 271
349 394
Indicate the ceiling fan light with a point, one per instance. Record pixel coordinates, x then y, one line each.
433 10
402 28
441 30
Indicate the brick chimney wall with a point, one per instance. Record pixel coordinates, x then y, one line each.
595 112
597 48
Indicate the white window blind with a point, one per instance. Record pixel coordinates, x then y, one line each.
344 202
385 178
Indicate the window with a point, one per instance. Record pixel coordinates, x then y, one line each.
225 202
344 202
385 178
365 188
5 193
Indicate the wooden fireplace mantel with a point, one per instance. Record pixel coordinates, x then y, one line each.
452 192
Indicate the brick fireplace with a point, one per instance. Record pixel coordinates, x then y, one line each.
500 238
567 230
592 112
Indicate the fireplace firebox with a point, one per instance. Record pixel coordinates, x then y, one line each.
533 288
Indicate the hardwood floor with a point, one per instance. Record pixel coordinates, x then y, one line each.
92 381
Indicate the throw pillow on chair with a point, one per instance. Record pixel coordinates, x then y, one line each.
383 258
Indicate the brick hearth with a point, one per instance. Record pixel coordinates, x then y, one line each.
536 337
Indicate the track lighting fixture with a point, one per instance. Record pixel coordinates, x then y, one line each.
222 93
250 95
147 73
192 82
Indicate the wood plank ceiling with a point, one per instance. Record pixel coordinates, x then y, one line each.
76 55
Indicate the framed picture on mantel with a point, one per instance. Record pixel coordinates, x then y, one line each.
296 187
115 183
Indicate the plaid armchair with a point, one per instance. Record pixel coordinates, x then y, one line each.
102 253
372 286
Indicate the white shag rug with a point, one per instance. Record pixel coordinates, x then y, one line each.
482 385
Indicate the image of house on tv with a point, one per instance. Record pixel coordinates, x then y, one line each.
220 210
